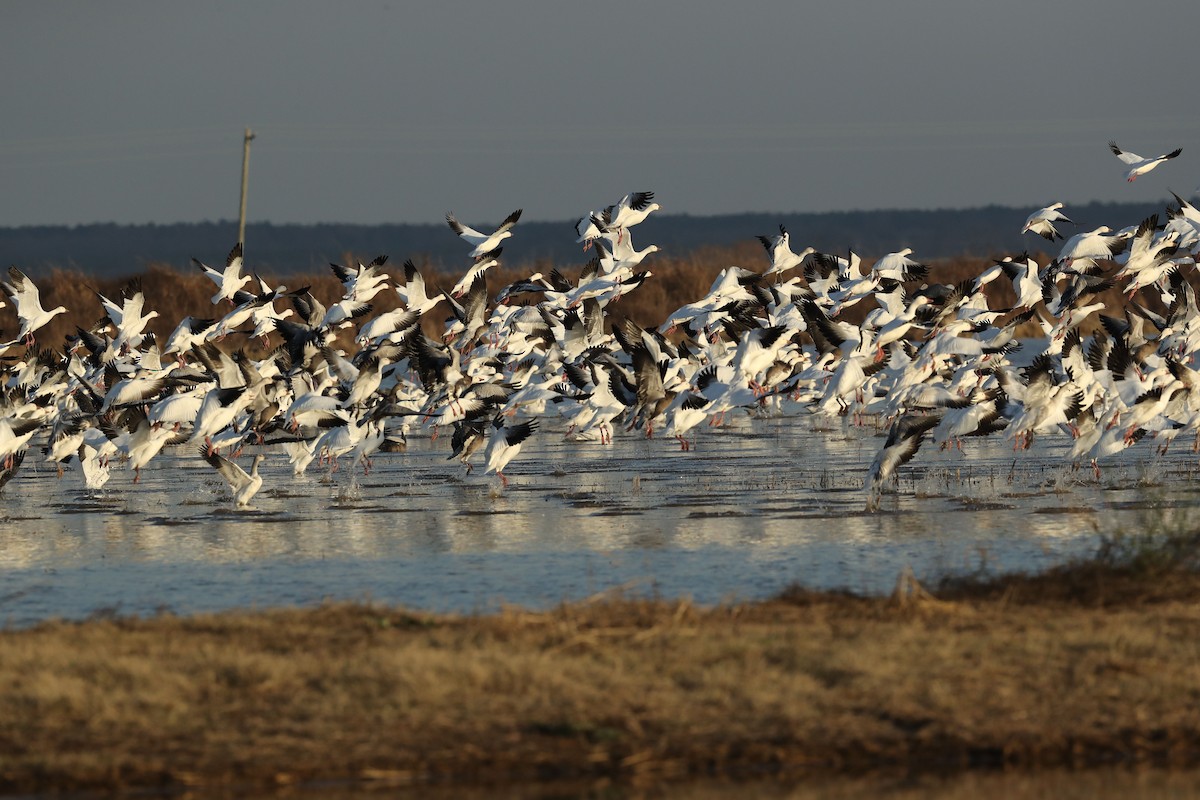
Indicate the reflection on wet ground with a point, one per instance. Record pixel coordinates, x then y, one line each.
749 511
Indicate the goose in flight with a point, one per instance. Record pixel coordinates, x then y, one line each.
505 443
28 302
230 281
127 317
244 484
904 439
1042 222
481 265
779 250
632 209
413 293
484 243
589 227
1137 164
899 267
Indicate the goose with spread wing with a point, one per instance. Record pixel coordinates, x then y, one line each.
28 302
483 243
244 484
1137 164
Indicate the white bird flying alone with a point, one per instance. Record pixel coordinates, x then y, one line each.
1139 165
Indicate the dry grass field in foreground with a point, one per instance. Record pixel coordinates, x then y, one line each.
1084 665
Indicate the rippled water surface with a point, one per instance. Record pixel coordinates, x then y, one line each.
757 505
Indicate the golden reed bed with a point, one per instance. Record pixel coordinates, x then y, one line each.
675 281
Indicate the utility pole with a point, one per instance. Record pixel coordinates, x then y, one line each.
245 181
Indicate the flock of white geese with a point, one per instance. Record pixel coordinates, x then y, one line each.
932 361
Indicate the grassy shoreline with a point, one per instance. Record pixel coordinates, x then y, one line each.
1084 665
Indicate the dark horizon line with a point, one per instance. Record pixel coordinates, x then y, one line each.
570 221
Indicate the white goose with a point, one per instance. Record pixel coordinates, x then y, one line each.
1026 280
779 249
128 317
505 443
1086 247
244 484
231 280
632 209
1042 222
413 293
27 299
1139 165
484 243
899 267
482 264
903 441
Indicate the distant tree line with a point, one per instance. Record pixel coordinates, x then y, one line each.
110 250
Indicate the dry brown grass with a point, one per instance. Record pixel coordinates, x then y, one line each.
675 281
1014 673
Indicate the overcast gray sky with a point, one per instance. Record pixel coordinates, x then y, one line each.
385 111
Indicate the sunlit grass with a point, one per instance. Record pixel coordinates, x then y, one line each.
1081 665
675 281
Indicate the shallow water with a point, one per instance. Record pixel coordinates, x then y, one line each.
756 506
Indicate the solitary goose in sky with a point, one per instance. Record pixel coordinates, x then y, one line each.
1137 164
484 243
244 484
